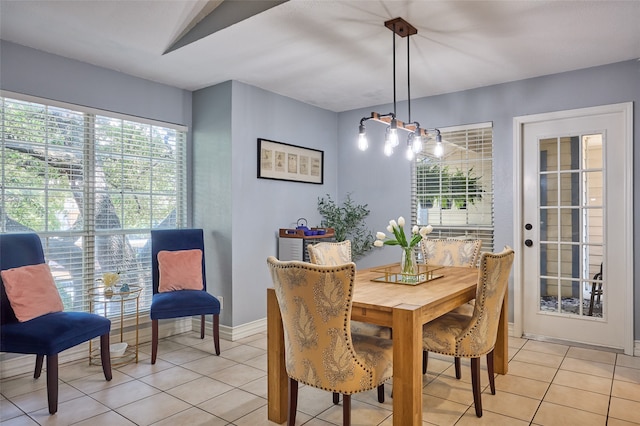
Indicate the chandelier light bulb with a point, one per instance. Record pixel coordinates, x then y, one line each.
393 138
409 153
393 133
363 144
417 144
388 149
438 150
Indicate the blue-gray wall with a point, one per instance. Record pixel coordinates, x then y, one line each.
387 190
38 73
241 213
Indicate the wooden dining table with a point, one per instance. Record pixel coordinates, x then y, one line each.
402 307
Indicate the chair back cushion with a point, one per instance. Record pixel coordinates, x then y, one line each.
479 337
173 240
31 290
330 253
451 252
315 303
17 250
180 270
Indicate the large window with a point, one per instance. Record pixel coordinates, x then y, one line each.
453 192
92 185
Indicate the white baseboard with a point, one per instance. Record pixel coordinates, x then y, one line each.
235 333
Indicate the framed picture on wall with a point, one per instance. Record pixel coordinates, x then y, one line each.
282 161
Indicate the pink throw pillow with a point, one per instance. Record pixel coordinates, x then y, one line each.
31 291
180 270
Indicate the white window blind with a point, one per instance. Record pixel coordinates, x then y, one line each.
454 192
92 185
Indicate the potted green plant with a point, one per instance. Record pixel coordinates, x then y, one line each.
348 222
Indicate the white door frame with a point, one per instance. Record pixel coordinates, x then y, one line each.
518 136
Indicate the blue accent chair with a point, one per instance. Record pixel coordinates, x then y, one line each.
49 334
180 303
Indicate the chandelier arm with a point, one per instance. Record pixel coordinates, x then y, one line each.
393 35
402 28
408 81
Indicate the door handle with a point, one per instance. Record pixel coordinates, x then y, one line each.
528 243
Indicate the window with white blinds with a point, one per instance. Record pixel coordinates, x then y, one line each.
92 184
454 192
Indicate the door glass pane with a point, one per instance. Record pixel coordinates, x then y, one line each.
569 261
549 225
570 297
569 189
548 155
592 148
548 295
549 189
569 153
593 188
571 225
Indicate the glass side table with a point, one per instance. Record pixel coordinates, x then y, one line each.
109 305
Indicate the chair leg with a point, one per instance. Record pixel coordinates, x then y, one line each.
202 326
346 410
475 385
105 356
38 369
425 359
293 402
154 340
336 398
52 383
492 382
216 333
381 393
457 365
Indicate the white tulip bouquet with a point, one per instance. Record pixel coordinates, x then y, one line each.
397 229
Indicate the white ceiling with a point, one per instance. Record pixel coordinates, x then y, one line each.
333 54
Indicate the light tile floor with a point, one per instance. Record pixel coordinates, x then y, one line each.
547 384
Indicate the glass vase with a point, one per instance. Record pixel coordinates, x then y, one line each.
408 265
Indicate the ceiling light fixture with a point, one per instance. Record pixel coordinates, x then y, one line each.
416 135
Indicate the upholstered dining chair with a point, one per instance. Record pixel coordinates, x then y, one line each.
338 254
320 351
180 282
451 252
472 336
32 320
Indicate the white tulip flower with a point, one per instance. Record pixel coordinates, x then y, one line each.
380 235
393 223
378 243
390 229
401 222
426 231
415 229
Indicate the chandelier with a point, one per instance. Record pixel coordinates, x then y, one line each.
416 134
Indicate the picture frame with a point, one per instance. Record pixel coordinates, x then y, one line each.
283 161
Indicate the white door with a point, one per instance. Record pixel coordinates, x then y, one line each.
576 226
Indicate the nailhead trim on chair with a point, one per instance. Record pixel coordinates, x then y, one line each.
346 318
